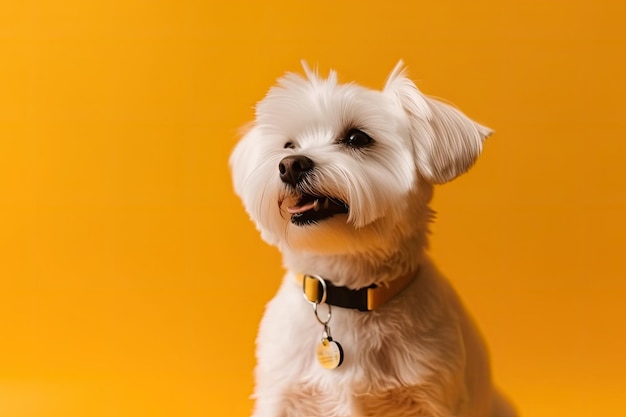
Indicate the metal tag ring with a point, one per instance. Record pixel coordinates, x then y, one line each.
322 322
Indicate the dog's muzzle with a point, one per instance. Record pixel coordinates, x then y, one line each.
309 208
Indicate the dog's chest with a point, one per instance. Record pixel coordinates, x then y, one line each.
376 355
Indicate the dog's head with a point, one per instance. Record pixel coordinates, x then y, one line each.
329 167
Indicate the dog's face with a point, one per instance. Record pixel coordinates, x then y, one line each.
330 167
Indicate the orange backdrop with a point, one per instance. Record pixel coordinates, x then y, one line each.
131 281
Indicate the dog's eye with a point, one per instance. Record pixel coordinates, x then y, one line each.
357 139
289 145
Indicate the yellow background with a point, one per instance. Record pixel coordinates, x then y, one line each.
131 281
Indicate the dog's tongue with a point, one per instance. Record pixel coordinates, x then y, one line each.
301 208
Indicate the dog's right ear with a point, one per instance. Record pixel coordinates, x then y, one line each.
447 143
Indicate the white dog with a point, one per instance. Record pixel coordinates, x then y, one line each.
339 178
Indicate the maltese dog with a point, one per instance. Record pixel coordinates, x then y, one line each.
339 178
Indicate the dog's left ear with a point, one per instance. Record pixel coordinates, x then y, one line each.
447 143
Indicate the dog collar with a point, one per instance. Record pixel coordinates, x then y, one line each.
317 290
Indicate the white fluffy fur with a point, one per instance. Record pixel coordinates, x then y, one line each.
417 355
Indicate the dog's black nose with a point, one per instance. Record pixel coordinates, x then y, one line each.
292 168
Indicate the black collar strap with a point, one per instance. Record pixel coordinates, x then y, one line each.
318 290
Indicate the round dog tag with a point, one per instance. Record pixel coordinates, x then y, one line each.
329 353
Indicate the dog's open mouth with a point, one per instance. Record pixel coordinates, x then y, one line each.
312 209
